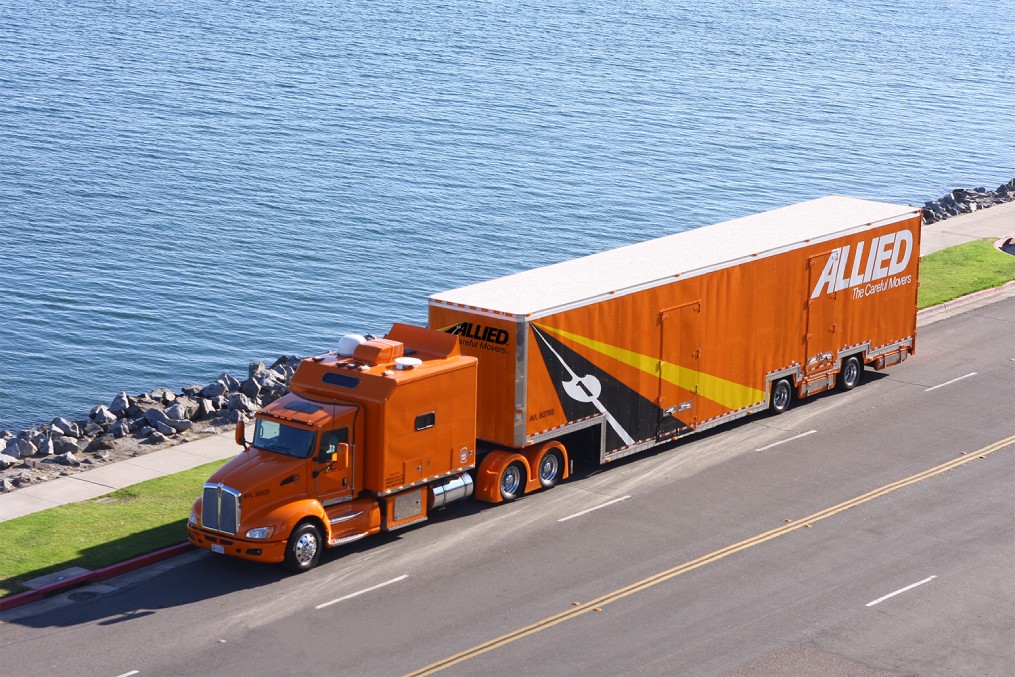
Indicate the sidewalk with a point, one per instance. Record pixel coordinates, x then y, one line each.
996 222
94 483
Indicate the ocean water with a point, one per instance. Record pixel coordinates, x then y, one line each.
187 186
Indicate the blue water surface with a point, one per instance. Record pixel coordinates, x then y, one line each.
187 186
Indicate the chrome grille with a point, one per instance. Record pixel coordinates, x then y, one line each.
220 508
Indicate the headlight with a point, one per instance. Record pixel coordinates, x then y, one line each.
260 532
193 518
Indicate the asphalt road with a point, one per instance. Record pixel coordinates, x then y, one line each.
861 533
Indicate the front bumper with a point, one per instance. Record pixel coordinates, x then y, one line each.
244 548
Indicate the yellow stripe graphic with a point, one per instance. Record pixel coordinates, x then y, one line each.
663 576
727 393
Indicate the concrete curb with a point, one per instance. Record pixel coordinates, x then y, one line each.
105 573
942 310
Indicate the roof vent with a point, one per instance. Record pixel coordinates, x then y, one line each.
347 344
407 363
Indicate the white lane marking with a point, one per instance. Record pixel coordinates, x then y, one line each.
947 383
584 512
788 439
901 590
361 592
128 674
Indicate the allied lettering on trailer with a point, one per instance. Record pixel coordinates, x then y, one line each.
886 256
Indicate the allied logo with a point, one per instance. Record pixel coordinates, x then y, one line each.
885 258
480 333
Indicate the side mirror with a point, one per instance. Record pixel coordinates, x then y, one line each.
342 455
241 436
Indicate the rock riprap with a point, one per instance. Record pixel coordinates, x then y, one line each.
131 425
967 200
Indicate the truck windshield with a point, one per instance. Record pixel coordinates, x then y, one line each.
283 439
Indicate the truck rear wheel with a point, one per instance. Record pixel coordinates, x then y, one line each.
512 482
551 467
782 395
303 550
849 374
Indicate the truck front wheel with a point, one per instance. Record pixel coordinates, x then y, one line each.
512 482
303 550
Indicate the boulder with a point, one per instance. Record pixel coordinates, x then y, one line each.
192 391
164 395
219 402
181 425
67 459
145 431
156 438
45 447
120 429
253 368
213 390
68 428
205 408
189 406
91 428
102 455
231 383
164 428
120 404
242 403
63 445
251 389
20 448
154 416
103 416
99 443
7 461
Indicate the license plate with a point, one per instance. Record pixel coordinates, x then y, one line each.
215 547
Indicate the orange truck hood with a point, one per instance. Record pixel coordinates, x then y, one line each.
264 479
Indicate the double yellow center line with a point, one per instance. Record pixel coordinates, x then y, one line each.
663 576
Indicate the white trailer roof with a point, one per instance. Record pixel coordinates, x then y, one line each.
576 282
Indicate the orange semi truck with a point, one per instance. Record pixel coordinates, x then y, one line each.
598 357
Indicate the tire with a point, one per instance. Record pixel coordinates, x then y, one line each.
850 373
782 396
303 550
512 482
551 467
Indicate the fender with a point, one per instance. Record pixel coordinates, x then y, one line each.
488 474
533 455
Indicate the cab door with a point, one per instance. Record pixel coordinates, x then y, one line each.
334 470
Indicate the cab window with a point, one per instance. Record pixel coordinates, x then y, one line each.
331 439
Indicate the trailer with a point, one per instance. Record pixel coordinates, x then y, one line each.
600 357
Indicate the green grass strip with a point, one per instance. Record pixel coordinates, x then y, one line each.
92 534
956 271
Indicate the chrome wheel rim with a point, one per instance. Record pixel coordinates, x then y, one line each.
511 481
305 549
549 467
852 373
781 397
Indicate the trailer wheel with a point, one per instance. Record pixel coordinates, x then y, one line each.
782 395
512 481
551 467
303 550
849 374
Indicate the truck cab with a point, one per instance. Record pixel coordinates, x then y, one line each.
371 437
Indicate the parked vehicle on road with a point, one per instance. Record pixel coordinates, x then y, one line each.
602 356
